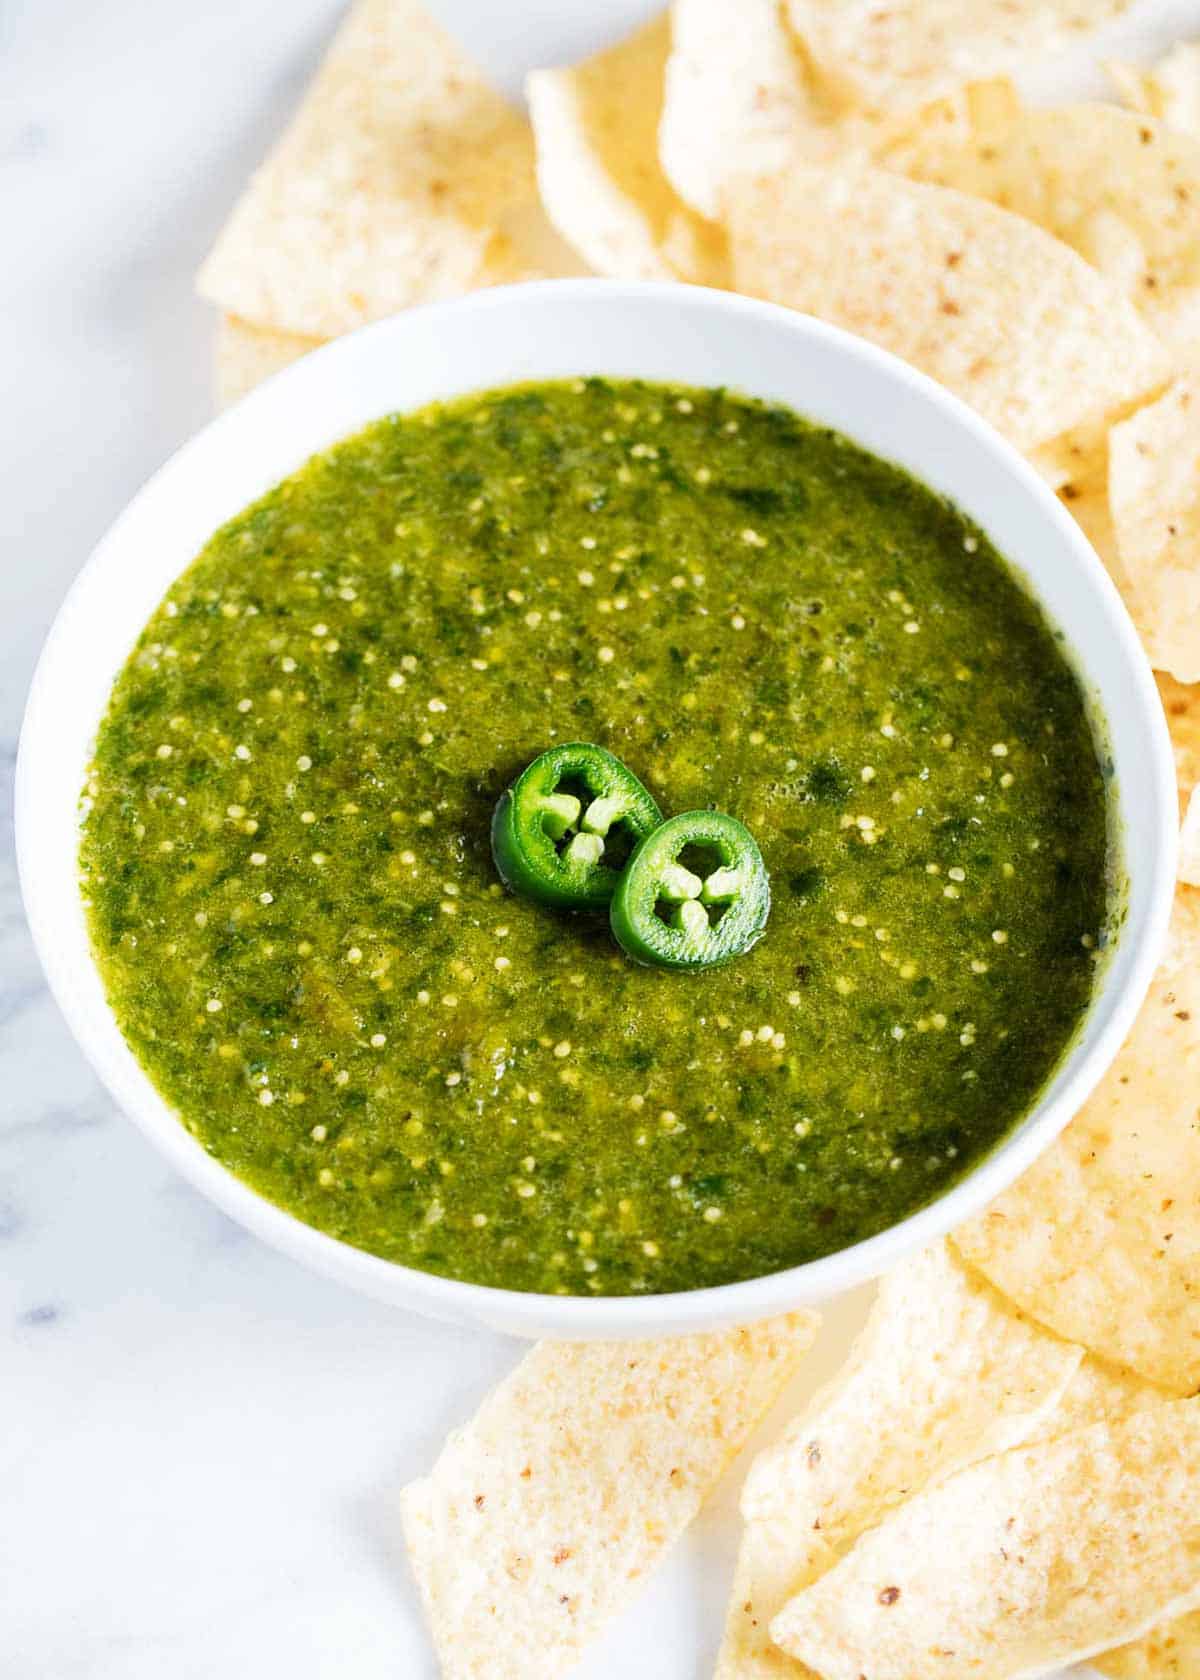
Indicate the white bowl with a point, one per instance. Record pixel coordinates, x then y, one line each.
544 331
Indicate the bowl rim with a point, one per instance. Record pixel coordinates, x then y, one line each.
575 1316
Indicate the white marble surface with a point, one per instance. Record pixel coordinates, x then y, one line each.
199 1443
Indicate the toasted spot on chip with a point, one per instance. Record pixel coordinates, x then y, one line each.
1154 495
1038 1557
596 127
246 355
943 1373
389 188
543 1515
1100 1239
1170 90
1006 316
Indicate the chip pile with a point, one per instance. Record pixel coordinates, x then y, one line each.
1005 1476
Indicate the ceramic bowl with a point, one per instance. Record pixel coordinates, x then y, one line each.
545 331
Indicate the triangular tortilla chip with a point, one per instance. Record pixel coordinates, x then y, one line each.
1122 189
1101 1393
1154 496
1038 1557
737 100
1171 90
246 355
743 98
596 126
399 172
1006 316
894 57
1082 469
1168 1652
543 1516
944 1372
1189 841
1101 1237
1181 702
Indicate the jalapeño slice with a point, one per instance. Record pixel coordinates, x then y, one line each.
562 832
695 893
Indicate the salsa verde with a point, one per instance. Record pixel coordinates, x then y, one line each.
286 858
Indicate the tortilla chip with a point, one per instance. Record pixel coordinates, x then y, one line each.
1121 189
901 55
742 98
944 1373
246 355
1169 1652
543 1516
1099 1393
1171 90
398 173
1038 1557
1182 706
1051 463
1083 491
1181 702
1006 316
1154 494
596 126
737 99
1100 1239
528 247
1189 841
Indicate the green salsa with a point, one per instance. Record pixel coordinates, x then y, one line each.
295 910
